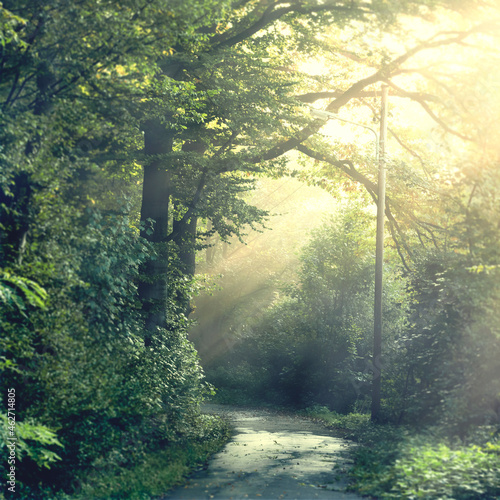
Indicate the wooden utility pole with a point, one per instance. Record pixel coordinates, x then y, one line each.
379 263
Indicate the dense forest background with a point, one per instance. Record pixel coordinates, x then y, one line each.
159 162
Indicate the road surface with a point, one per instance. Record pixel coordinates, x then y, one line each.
271 456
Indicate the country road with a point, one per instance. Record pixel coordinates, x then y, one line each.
271 456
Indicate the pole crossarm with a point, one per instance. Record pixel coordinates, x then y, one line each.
327 115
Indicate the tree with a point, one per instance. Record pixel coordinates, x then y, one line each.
218 92
312 345
230 104
197 99
71 87
409 222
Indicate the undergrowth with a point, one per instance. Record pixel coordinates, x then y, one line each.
149 474
398 463
159 471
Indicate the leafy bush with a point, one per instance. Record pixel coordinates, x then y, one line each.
439 471
17 292
85 368
157 471
313 346
351 422
450 353
32 440
424 467
396 462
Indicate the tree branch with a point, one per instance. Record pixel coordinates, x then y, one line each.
431 113
383 74
193 204
398 247
314 96
347 167
270 15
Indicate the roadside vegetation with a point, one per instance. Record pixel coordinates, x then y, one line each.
439 432
392 461
161 467
149 469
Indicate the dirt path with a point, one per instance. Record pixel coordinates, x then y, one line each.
271 456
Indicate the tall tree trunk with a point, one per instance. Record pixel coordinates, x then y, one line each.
158 140
210 251
15 219
186 242
16 206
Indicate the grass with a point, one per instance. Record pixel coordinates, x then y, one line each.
159 471
349 425
398 463
157 474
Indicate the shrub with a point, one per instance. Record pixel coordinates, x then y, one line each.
313 346
82 360
390 463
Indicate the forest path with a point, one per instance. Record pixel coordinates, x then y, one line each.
271 456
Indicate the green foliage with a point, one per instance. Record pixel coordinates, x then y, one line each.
417 467
452 347
154 473
397 462
141 471
10 26
443 472
80 84
32 440
17 295
313 346
85 367
350 422
17 292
